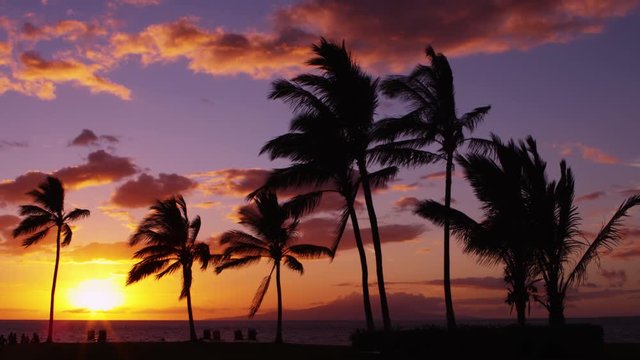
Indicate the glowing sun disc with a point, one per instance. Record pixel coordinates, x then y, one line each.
96 295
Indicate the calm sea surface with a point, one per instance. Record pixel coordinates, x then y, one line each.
621 329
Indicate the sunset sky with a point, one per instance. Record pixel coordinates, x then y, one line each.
127 101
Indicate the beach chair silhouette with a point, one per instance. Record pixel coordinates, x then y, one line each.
252 334
237 335
102 336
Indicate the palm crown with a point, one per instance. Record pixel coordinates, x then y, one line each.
170 244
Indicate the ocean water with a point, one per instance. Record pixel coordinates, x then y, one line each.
619 329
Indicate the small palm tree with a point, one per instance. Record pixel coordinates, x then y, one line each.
170 245
505 234
39 219
275 226
556 219
433 118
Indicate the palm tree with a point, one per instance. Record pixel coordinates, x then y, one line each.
274 226
433 118
47 213
321 161
556 220
343 98
169 245
505 235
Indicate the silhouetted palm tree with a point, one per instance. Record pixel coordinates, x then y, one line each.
38 219
170 245
433 118
556 220
321 161
505 234
274 226
343 98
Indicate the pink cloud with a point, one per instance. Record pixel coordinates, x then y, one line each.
88 137
100 251
589 153
321 231
406 203
146 189
100 168
616 278
590 196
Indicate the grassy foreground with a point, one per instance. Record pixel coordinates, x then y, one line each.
221 351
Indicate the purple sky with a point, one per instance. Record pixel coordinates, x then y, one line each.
173 95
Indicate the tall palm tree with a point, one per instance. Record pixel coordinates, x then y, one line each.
343 98
274 226
505 235
556 220
320 160
433 118
170 245
47 213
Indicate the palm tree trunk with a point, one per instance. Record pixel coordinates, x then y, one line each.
377 248
186 273
556 309
279 289
53 287
448 300
365 269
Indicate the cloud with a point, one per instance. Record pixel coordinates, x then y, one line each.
589 153
12 144
100 168
406 203
146 189
590 196
231 182
70 30
616 278
123 216
41 76
216 52
88 137
454 27
321 231
440 175
629 192
139 3
96 251
627 253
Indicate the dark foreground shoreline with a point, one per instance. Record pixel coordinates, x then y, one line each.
224 351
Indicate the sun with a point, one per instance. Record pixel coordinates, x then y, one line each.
96 295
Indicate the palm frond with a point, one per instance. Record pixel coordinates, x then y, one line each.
202 254
237 263
36 237
33 223
26 210
194 229
144 268
293 264
608 236
66 234
342 224
260 293
471 119
303 204
76 214
175 266
462 225
388 154
240 237
308 251
380 178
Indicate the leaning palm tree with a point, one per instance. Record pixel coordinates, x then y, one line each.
433 118
343 98
47 213
170 245
274 226
506 234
